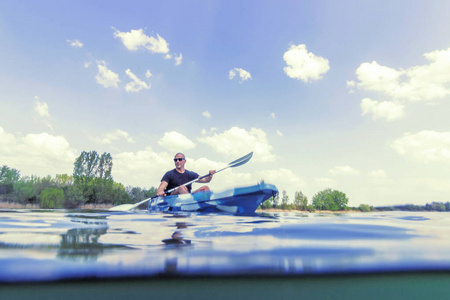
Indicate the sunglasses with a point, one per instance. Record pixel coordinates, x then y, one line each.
179 159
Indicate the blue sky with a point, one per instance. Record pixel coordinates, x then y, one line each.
348 95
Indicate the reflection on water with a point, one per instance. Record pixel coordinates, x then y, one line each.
177 238
43 245
81 244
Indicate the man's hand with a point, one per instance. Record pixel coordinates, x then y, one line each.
160 194
161 188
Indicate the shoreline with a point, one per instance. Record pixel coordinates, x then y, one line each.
12 205
278 210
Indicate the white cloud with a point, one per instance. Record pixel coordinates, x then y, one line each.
387 110
243 74
206 114
143 168
304 65
37 154
148 74
279 133
378 174
178 59
324 182
106 77
87 64
110 137
374 77
418 83
175 142
351 83
75 43
136 39
343 170
136 84
283 178
7 142
272 115
211 131
237 141
425 146
41 113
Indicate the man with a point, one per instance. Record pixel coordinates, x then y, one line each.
179 176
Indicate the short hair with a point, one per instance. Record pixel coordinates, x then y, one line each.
181 154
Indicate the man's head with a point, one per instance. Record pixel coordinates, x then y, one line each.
179 160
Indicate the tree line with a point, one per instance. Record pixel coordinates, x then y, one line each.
327 199
90 183
334 200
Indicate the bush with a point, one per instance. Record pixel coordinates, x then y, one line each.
310 208
24 191
52 198
330 200
364 208
74 197
266 204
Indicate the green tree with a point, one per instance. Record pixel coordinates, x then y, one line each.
285 201
119 194
63 180
92 174
73 196
91 165
435 206
300 201
52 198
136 194
276 200
266 204
103 190
40 184
330 200
8 177
150 192
24 190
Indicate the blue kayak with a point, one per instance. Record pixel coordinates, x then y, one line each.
240 200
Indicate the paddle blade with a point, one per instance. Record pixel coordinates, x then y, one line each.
123 207
241 161
129 207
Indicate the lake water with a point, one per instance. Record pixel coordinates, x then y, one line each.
47 246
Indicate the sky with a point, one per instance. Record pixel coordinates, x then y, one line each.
348 95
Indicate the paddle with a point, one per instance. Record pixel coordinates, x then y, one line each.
236 163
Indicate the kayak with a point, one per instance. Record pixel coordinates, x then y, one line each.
239 200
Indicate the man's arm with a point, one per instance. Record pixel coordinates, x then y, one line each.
207 178
161 188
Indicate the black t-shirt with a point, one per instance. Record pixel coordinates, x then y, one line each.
175 178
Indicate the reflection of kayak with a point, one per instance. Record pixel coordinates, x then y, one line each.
241 200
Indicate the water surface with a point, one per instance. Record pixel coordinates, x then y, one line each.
39 245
